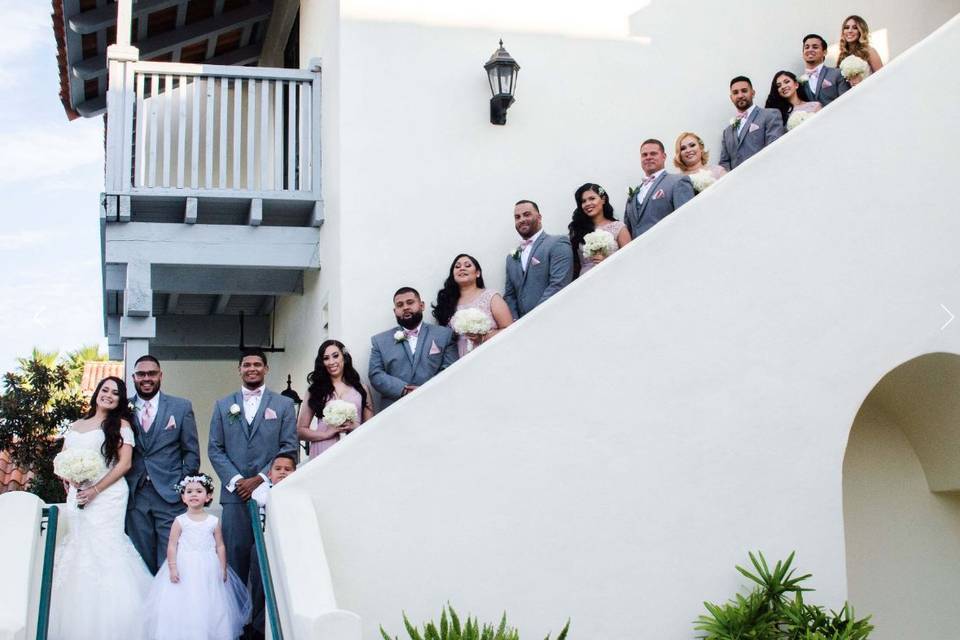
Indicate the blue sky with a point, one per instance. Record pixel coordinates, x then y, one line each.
51 175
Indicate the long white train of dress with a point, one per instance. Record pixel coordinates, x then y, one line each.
99 580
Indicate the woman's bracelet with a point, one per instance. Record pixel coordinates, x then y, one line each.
95 489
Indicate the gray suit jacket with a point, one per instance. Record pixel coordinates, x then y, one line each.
762 127
238 448
667 194
166 453
831 85
392 366
549 269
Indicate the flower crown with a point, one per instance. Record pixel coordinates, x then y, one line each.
205 481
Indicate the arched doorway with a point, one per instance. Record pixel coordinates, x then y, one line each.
901 501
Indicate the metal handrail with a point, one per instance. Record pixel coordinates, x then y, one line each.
51 514
270 596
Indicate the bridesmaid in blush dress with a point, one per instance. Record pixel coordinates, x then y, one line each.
785 96
333 378
464 289
593 212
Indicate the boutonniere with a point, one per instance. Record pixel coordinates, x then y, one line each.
132 406
735 123
803 78
632 192
399 336
515 254
234 412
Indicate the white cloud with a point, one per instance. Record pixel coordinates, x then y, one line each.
35 154
20 240
24 26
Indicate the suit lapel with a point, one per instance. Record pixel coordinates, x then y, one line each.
160 421
746 126
421 345
649 195
533 252
135 419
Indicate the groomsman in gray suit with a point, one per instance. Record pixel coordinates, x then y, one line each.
540 266
248 430
822 84
405 357
752 129
166 450
660 193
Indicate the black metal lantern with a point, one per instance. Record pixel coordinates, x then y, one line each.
502 72
297 401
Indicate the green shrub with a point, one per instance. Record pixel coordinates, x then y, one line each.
775 610
450 628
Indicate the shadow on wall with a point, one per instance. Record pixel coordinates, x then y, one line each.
901 500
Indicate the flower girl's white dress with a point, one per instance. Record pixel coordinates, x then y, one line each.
201 606
99 579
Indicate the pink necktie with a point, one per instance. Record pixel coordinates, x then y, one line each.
146 420
647 180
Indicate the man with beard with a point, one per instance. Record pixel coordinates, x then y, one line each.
539 267
405 357
751 129
166 450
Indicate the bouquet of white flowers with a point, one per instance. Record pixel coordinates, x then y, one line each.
339 412
79 466
701 180
852 66
597 243
797 118
471 321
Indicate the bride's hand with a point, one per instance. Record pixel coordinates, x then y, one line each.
85 496
174 575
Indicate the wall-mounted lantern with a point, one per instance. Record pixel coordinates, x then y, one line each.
502 72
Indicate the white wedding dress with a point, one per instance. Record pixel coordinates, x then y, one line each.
99 579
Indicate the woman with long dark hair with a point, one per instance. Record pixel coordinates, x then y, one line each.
463 290
786 98
593 213
99 579
333 378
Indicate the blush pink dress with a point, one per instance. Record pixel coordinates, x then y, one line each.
614 227
481 302
318 447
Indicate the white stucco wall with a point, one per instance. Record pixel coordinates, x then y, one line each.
414 173
612 456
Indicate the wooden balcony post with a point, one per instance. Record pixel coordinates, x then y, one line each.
316 149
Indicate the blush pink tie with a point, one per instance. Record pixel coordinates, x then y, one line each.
146 419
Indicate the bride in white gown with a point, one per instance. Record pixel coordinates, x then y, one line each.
99 579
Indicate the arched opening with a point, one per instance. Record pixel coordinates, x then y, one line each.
901 501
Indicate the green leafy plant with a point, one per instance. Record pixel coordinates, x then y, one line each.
775 610
450 628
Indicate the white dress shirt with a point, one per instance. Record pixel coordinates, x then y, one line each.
412 340
153 402
813 76
525 253
743 123
649 184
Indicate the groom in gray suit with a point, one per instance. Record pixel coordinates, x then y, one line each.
660 193
539 267
166 450
752 129
405 357
248 430
820 83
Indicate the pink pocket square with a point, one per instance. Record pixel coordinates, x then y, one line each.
827 83
534 260
171 424
754 127
659 194
269 414
434 349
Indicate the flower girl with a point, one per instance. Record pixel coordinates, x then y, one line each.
194 594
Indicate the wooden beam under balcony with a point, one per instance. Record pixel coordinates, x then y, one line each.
172 41
180 280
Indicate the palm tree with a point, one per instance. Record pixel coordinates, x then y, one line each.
78 357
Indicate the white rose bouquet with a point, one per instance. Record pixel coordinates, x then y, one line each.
701 180
79 466
339 412
853 67
797 118
471 321
597 243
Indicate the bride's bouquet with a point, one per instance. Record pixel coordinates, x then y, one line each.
79 466
701 180
797 118
471 321
597 243
853 67
339 412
